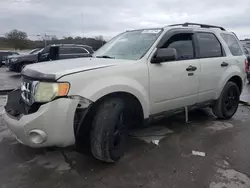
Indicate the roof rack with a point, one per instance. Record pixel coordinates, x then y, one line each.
201 25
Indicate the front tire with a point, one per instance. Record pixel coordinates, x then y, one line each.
109 130
226 106
21 67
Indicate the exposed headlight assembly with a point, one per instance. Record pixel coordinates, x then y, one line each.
46 91
14 60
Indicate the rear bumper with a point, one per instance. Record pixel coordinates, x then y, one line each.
53 121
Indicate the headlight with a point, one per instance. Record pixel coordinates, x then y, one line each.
45 91
14 60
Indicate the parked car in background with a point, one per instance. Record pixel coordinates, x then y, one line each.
35 50
4 55
138 76
49 53
247 53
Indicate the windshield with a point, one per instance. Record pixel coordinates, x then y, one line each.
36 51
131 45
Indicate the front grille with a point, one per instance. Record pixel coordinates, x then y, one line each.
27 91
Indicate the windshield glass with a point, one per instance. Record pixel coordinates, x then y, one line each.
36 51
131 45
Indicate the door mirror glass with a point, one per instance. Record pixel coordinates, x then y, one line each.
164 55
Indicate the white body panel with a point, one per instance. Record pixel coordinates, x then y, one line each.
171 87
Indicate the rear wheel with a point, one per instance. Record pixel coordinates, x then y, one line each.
109 130
227 105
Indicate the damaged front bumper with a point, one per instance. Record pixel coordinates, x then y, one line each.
45 125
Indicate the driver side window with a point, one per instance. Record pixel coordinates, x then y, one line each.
183 44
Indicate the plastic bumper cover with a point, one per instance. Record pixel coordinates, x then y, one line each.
54 119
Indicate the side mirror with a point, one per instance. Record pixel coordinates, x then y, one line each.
164 55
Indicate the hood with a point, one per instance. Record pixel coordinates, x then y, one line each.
54 70
12 56
23 56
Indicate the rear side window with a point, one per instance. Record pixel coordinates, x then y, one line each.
65 50
232 44
80 51
209 46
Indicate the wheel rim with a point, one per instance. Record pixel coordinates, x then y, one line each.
231 100
119 131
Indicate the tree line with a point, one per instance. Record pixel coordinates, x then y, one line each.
19 40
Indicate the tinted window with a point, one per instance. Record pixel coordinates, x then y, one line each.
183 45
80 51
233 44
209 46
64 50
46 50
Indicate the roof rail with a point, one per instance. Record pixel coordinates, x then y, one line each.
201 25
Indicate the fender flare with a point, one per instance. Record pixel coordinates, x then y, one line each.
226 77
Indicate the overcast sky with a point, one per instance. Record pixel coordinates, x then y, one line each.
109 17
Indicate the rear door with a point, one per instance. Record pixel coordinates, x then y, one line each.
238 57
213 63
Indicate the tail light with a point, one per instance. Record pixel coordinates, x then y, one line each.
246 65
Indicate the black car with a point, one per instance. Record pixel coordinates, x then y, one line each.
49 53
4 54
247 53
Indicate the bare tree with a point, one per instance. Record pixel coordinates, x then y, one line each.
68 38
17 39
78 38
100 37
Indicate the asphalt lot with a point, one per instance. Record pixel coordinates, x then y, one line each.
160 156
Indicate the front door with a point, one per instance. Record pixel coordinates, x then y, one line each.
175 84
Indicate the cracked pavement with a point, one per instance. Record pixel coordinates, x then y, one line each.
158 156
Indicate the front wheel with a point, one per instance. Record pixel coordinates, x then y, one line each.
109 130
226 106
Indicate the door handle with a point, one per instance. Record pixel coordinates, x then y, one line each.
191 68
224 64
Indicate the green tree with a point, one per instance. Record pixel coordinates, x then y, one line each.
17 39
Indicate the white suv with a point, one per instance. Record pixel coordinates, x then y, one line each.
138 75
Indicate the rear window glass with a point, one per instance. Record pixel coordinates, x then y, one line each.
233 44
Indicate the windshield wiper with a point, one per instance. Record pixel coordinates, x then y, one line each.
105 56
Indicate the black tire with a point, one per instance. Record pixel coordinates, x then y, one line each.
226 106
21 66
109 130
